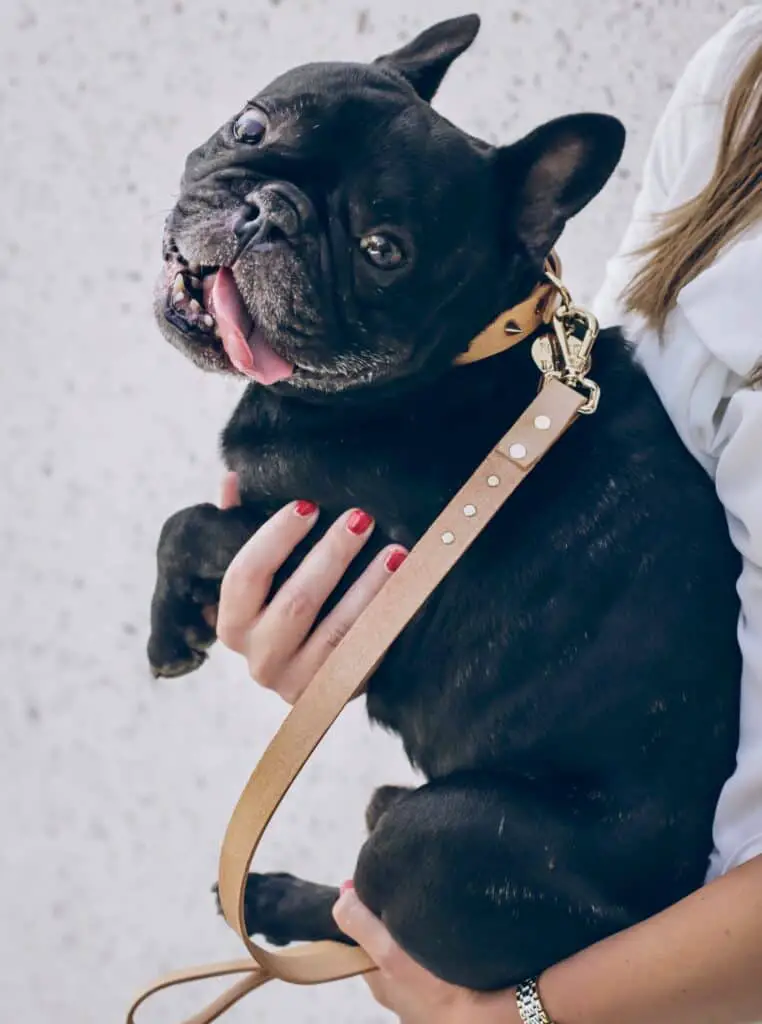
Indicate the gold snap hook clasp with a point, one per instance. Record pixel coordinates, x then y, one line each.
565 353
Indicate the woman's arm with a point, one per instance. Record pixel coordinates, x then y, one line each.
699 962
738 821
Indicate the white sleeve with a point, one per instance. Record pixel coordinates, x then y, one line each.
738 822
692 116
679 162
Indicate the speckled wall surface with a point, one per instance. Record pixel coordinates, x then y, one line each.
115 792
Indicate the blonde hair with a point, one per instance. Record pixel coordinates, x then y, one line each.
693 234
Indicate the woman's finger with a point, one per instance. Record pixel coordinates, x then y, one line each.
356 921
340 620
230 495
248 580
413 994
380 988
283 626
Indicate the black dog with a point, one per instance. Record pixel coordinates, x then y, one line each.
571 690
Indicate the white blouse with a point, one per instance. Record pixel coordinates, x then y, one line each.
713 340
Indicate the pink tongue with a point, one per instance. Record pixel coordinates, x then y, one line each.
245 344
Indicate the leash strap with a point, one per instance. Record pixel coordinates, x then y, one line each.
340 678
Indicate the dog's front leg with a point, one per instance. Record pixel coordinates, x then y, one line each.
196 546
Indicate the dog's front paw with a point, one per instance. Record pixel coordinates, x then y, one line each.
173 653
180 634
195 548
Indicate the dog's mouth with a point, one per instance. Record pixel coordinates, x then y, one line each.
205 305
211 315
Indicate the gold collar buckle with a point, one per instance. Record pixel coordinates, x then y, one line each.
566 353
562 353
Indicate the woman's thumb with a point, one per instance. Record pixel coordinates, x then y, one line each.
356 921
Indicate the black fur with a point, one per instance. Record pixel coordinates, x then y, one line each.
571 689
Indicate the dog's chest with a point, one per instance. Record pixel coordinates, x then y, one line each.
402 476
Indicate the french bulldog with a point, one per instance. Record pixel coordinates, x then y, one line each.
571 690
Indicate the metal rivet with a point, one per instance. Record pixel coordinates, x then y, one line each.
493 481
517 451
542 422
448 537
469 511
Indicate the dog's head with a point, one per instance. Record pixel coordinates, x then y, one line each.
338 233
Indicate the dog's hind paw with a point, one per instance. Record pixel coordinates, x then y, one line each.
284 909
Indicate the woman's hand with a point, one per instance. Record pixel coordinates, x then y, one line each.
276 637
406 988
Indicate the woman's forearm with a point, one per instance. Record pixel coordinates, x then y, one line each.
699 962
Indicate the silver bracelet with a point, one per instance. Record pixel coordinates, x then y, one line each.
529 1003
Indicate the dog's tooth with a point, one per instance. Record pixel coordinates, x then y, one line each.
195 306
179 285
209 320
179 295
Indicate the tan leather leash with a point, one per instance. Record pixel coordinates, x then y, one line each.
566 391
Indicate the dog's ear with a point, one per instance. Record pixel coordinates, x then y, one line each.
424 61
552 173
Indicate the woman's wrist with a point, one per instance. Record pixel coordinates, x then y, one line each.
495 1008
503 1008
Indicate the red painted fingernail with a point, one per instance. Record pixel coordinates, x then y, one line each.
347 887
395 560
305 508
359 522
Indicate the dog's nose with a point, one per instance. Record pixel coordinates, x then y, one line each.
272 213
251 223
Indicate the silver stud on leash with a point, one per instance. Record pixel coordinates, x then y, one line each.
517 451
542 422
448 537
469 511
493 481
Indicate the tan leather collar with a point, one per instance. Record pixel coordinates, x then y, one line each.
515 324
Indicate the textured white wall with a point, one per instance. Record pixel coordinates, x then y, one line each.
114 792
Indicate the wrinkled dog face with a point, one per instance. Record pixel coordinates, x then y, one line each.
338 234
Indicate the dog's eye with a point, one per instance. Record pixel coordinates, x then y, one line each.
382 251
250 126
